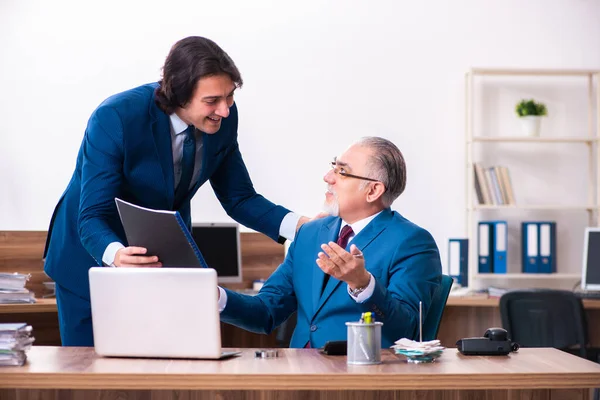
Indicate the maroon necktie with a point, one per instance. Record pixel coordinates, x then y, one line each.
344 236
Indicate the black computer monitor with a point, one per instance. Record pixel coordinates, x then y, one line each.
219 243
590 276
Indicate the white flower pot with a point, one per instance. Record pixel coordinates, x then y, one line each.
531 125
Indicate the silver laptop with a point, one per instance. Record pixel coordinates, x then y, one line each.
156 312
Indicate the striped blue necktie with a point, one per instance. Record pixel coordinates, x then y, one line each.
187 166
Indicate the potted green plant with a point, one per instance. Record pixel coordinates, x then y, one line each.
530 113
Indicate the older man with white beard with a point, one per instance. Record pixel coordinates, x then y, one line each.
364 257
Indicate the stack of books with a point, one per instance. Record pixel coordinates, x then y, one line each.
493 186
15 341
12 289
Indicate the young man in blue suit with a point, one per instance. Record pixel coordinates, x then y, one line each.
381 263
154 146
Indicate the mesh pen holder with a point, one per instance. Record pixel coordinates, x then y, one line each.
364 343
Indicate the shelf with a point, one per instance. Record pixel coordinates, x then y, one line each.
570 140
40 306
530 72
525 139
535 207
478 300
557 275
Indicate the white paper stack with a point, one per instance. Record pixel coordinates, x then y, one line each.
496 291
15 341
12 289
418 350
407 344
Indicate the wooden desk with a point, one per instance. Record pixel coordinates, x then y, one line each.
463 317
485 301
41 306
471 315
77 373
22 251
43 317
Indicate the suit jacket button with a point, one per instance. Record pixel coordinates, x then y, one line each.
313 328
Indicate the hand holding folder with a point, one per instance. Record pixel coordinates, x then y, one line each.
163 233
134 256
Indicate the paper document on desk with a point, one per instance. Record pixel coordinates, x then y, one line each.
426 347
22 296
13 281
15 341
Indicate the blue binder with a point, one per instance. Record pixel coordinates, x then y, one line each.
547 239
458 260
485 241
530 247
500 246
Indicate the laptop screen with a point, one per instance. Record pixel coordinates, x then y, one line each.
591 260
219 243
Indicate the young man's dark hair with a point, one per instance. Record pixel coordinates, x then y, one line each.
190 60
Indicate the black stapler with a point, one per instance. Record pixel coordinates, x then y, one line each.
336 348
495 342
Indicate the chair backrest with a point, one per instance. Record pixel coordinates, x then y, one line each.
544 318
431 324
283 334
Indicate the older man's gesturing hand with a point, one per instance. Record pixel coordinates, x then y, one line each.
345 266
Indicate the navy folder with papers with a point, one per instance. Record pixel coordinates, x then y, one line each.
485 239
539 247
458 260
493 246
530 247
500 244
163 233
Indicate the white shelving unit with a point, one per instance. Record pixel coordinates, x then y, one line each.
472 139
530 276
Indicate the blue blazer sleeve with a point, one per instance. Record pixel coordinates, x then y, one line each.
262 313
413 276
233 187
101 179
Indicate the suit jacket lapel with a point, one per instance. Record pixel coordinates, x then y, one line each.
161 131
328 233
362 241
372 230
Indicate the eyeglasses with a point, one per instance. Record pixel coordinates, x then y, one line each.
338 169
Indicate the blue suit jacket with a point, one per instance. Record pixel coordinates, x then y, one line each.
402 257
127 153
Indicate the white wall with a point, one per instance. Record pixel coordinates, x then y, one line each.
318 75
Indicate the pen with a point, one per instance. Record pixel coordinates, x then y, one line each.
369 321
420 322
364 318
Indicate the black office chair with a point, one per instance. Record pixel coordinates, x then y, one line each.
431 323
545 318
548 318
283 334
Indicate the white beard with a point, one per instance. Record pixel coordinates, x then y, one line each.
332 208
